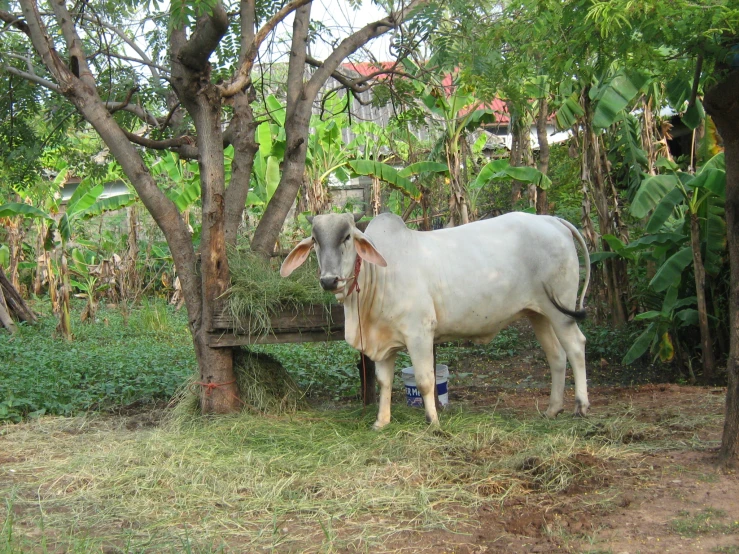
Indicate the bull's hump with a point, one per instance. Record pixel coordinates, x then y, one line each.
386 223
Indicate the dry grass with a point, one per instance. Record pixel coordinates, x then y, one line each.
258 292
304 482
265 387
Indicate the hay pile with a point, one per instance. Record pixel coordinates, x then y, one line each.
265 387
258 292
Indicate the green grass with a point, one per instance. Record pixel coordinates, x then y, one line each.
290 483
117 361
706 521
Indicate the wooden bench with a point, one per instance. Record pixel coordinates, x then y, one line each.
311 323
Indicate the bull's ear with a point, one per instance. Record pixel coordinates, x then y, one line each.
296 257
367 250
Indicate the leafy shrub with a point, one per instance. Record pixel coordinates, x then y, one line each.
109 364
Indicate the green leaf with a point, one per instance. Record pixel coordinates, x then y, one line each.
616 96
110 204
388 174
65 229
276 110
694 115
568 112
264 137
597 257
186 197
713 234
650 193
84 196
4 255
491 170
687 317
641 345
648 315
664 210
671 271
712 180
529 175
614 242
648 241
272 176
252 199
666 349
678 92
424 167
670 299
17 208
664 163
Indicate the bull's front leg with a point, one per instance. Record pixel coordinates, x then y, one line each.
385 373
421 350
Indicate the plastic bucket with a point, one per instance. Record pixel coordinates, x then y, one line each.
413 397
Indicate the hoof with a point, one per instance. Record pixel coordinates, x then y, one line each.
377 426
552 414
580 412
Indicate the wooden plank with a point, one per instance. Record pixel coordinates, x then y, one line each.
314 316
227 339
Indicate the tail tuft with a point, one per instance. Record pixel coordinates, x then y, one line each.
578 315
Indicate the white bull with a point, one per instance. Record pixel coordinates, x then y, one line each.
468 282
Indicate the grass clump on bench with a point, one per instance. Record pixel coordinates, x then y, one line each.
258 292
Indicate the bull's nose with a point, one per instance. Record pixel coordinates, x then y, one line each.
330 282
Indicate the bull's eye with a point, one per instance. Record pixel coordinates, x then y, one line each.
346 238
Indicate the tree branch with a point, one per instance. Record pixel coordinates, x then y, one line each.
15 21
32 77
355 41
159 144
78 59
362 83
208 33
242 79
135 47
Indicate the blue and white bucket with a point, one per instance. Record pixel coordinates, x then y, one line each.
413 397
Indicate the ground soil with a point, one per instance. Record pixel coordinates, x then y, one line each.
666 501
669 500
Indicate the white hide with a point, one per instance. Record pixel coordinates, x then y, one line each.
467 282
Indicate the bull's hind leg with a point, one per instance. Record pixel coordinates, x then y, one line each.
557 359
573 341
421 350
384 371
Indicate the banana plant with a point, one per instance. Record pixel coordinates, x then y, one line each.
266 170
693 204
660 337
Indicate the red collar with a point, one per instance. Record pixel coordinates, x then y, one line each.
355 283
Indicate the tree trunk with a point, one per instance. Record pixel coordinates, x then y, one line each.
700 290
594 177
542 206
5 319
722 104
14 301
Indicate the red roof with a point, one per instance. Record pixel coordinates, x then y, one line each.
365 69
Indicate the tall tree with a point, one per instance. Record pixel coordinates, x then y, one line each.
194 104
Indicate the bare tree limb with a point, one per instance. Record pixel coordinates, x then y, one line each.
78 59
15 21
242 79
355 41
208 33
159 144
32 77
145 60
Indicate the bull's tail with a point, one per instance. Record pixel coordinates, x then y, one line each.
577 315
578 237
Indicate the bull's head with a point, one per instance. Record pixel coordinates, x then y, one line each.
337 242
